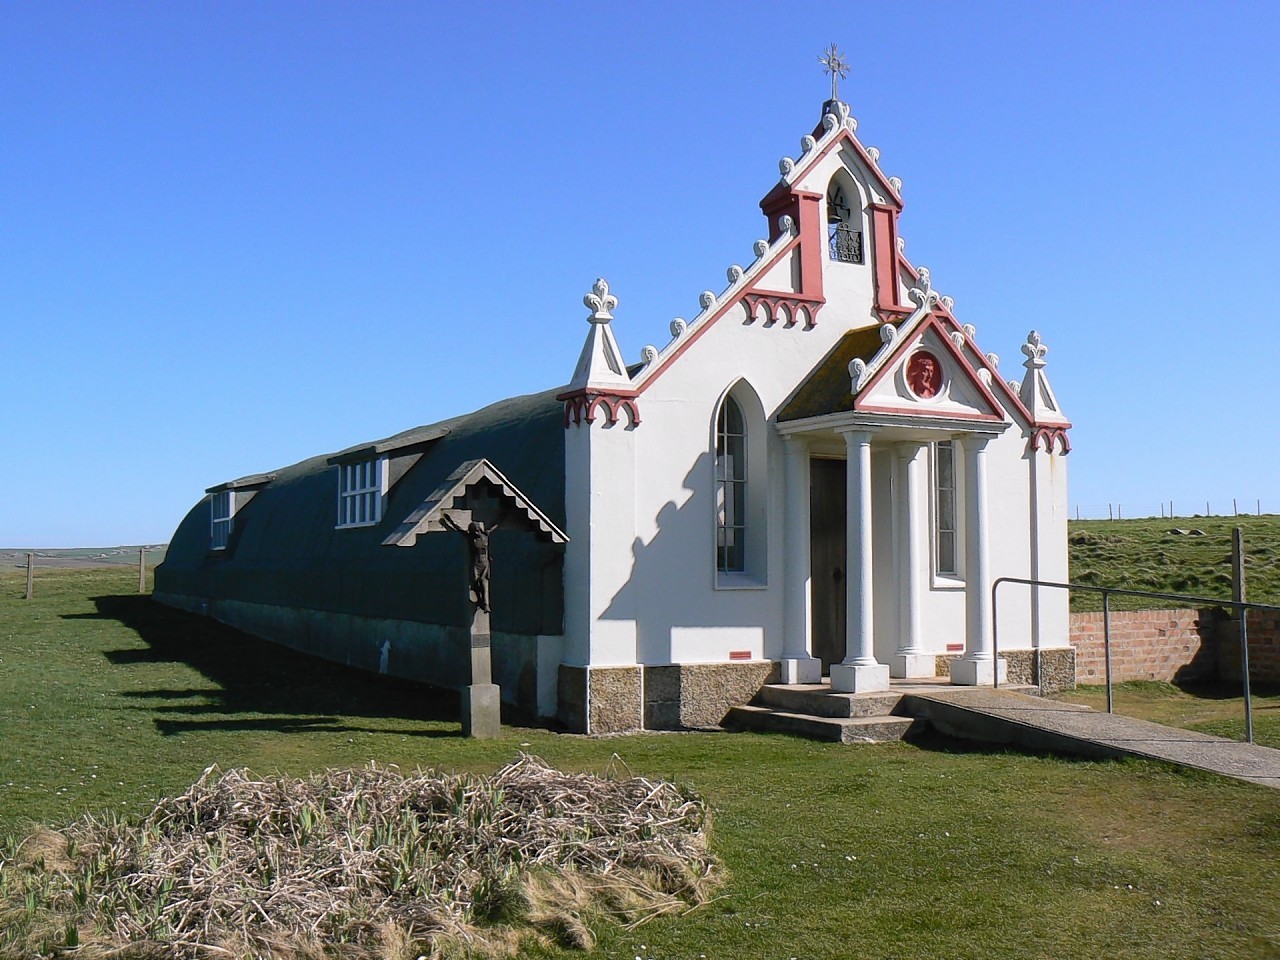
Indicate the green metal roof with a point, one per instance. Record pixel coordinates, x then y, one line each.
285 548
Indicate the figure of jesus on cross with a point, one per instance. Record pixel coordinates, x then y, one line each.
477 536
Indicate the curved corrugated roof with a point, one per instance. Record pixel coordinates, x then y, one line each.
285 548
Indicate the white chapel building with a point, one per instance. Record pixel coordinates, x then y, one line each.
817 479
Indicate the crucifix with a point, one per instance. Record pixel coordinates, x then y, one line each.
834 63
475 501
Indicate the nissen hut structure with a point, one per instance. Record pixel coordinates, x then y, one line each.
817 479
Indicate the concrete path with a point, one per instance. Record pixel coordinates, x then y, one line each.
1002 716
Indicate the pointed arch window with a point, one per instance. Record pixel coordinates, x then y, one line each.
731 488
844 238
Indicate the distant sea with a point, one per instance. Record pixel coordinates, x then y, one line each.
82 556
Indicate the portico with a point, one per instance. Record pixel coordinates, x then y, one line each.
890 550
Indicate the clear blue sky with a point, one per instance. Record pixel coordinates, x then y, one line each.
239 234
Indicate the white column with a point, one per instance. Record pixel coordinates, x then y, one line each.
978 665
910 660
859 672
797 665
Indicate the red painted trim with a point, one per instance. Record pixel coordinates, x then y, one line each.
954 647
580 405
589 392
939 414
774 300
931 322
739 654
844 136
753 295
1050 435
811 246
884 248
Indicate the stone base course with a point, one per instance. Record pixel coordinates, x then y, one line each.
690 696
1057 667
601 699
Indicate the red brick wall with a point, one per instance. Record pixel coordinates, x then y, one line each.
1264 648
1174 645
1145 645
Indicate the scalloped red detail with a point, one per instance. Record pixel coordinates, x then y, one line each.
1050 436
583 406
774 300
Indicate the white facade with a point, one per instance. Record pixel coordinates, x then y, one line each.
844 377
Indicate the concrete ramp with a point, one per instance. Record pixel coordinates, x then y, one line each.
1002 716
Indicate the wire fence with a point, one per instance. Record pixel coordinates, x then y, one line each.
1132 510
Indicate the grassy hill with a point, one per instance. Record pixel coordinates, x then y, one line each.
1189 555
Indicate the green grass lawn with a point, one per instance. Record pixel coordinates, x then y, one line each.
888 851
1147 555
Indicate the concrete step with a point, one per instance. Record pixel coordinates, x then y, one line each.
874 729
816 699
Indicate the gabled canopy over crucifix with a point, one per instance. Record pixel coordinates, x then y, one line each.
474 501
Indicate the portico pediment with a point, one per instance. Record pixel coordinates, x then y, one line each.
926 373
920 373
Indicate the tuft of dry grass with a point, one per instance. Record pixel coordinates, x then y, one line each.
365 863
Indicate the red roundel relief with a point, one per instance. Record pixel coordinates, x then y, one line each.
924 374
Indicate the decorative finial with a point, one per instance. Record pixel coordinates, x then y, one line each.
600 301
834 63
1034 350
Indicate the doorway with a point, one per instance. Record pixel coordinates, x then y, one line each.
828 555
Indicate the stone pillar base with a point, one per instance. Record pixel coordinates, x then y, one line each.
847 678
800 670
978 673
482 711
904 665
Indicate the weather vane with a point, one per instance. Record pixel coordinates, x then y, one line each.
834 63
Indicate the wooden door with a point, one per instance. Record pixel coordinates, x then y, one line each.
828 556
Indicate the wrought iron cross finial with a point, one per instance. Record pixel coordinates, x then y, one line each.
834 63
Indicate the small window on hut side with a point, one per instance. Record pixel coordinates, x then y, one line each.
844 238
222 508
361 487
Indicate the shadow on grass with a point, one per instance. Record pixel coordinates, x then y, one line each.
1227 689
272 688
935 742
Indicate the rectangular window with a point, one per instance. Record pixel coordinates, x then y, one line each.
222 507
360 490
944 508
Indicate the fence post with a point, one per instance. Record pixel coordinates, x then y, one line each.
142 569
31 568
1242 614
1106 645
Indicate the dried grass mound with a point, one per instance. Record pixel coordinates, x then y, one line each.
363 863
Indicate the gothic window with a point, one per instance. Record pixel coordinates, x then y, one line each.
731 488
844 238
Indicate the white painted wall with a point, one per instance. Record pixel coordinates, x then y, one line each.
640 572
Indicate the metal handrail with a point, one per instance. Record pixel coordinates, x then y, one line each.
1106 592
